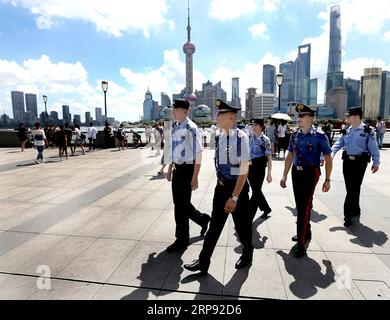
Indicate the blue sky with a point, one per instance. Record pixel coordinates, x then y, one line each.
65 48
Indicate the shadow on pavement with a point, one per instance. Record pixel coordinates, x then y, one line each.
207 284
233 288
364 234
307 275
315 216
157 268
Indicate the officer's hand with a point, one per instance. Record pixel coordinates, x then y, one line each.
269 178
283 182
374 169
230 206
326 186
194 184
169 175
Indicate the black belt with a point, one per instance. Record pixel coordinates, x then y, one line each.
184 164
306 167
363 157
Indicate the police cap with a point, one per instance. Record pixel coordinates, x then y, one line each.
355 111
223 107
181 103
257 121
304 110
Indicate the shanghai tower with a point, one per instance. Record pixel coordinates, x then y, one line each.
334 63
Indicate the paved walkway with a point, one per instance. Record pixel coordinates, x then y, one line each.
101 224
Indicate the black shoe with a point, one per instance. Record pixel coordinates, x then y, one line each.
205 225
177 246
197 266
266 213
348 223
299 251
243 262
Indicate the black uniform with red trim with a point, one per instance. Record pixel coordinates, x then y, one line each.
307 149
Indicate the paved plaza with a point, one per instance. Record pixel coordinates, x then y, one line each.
100 225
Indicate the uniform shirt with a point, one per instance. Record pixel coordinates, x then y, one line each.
309 148
91 133
260 146
39 137
231 149
186 143
356 142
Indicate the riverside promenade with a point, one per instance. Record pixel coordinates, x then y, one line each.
97 226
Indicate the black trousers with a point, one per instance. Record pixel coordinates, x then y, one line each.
241 220
353 171
92 144
304 184
256 178
184 210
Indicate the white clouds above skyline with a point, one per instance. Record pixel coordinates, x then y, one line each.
259 31
113 18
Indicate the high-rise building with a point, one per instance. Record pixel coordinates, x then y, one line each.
269 78
209 95
302 74
334 80
371 92
313 92
165 100
53 118
353 89
148 106
337 98
77 119
287 88
385 97
31 104
263 105
17 98
334 62
249 102
189 50
88 118
66 116
236 101
99 115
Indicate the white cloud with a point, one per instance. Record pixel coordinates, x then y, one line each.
259 31
113 17
271 5
386 36
231 9
355 68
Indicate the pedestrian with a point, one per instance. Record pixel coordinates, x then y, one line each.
261 158
231 194
358 141
283 130
79 139
40 141
148 134
203 135
185 162
22 135
91 135
69 135
157 139
304 155
271 134
327 130
380 129
108 135
168 146
61 142
120 137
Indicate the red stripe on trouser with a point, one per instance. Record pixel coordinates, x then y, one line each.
307 212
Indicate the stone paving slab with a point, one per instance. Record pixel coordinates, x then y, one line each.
102 222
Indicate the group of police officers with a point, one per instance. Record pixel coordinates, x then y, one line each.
241 162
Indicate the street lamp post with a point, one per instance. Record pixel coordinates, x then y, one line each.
105 88
46 115
279 82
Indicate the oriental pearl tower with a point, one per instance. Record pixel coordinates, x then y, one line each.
189 50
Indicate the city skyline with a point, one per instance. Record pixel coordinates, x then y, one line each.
253 34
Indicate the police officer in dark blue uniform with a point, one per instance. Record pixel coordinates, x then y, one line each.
183 171
261 158
359 143
231 194
305 149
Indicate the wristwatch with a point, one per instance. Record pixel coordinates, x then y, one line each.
235 198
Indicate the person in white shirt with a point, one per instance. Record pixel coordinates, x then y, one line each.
282 138
91 135
40 141
148 134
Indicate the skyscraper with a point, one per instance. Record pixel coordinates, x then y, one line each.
313 92
66 116
165 100
17 98
371 92
99 115
249 102
209 95
236 101
269 78
385 99
263 105
148 106
334 62
189 50
88 118
31 104
287 89
302 74
353 88
77 119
